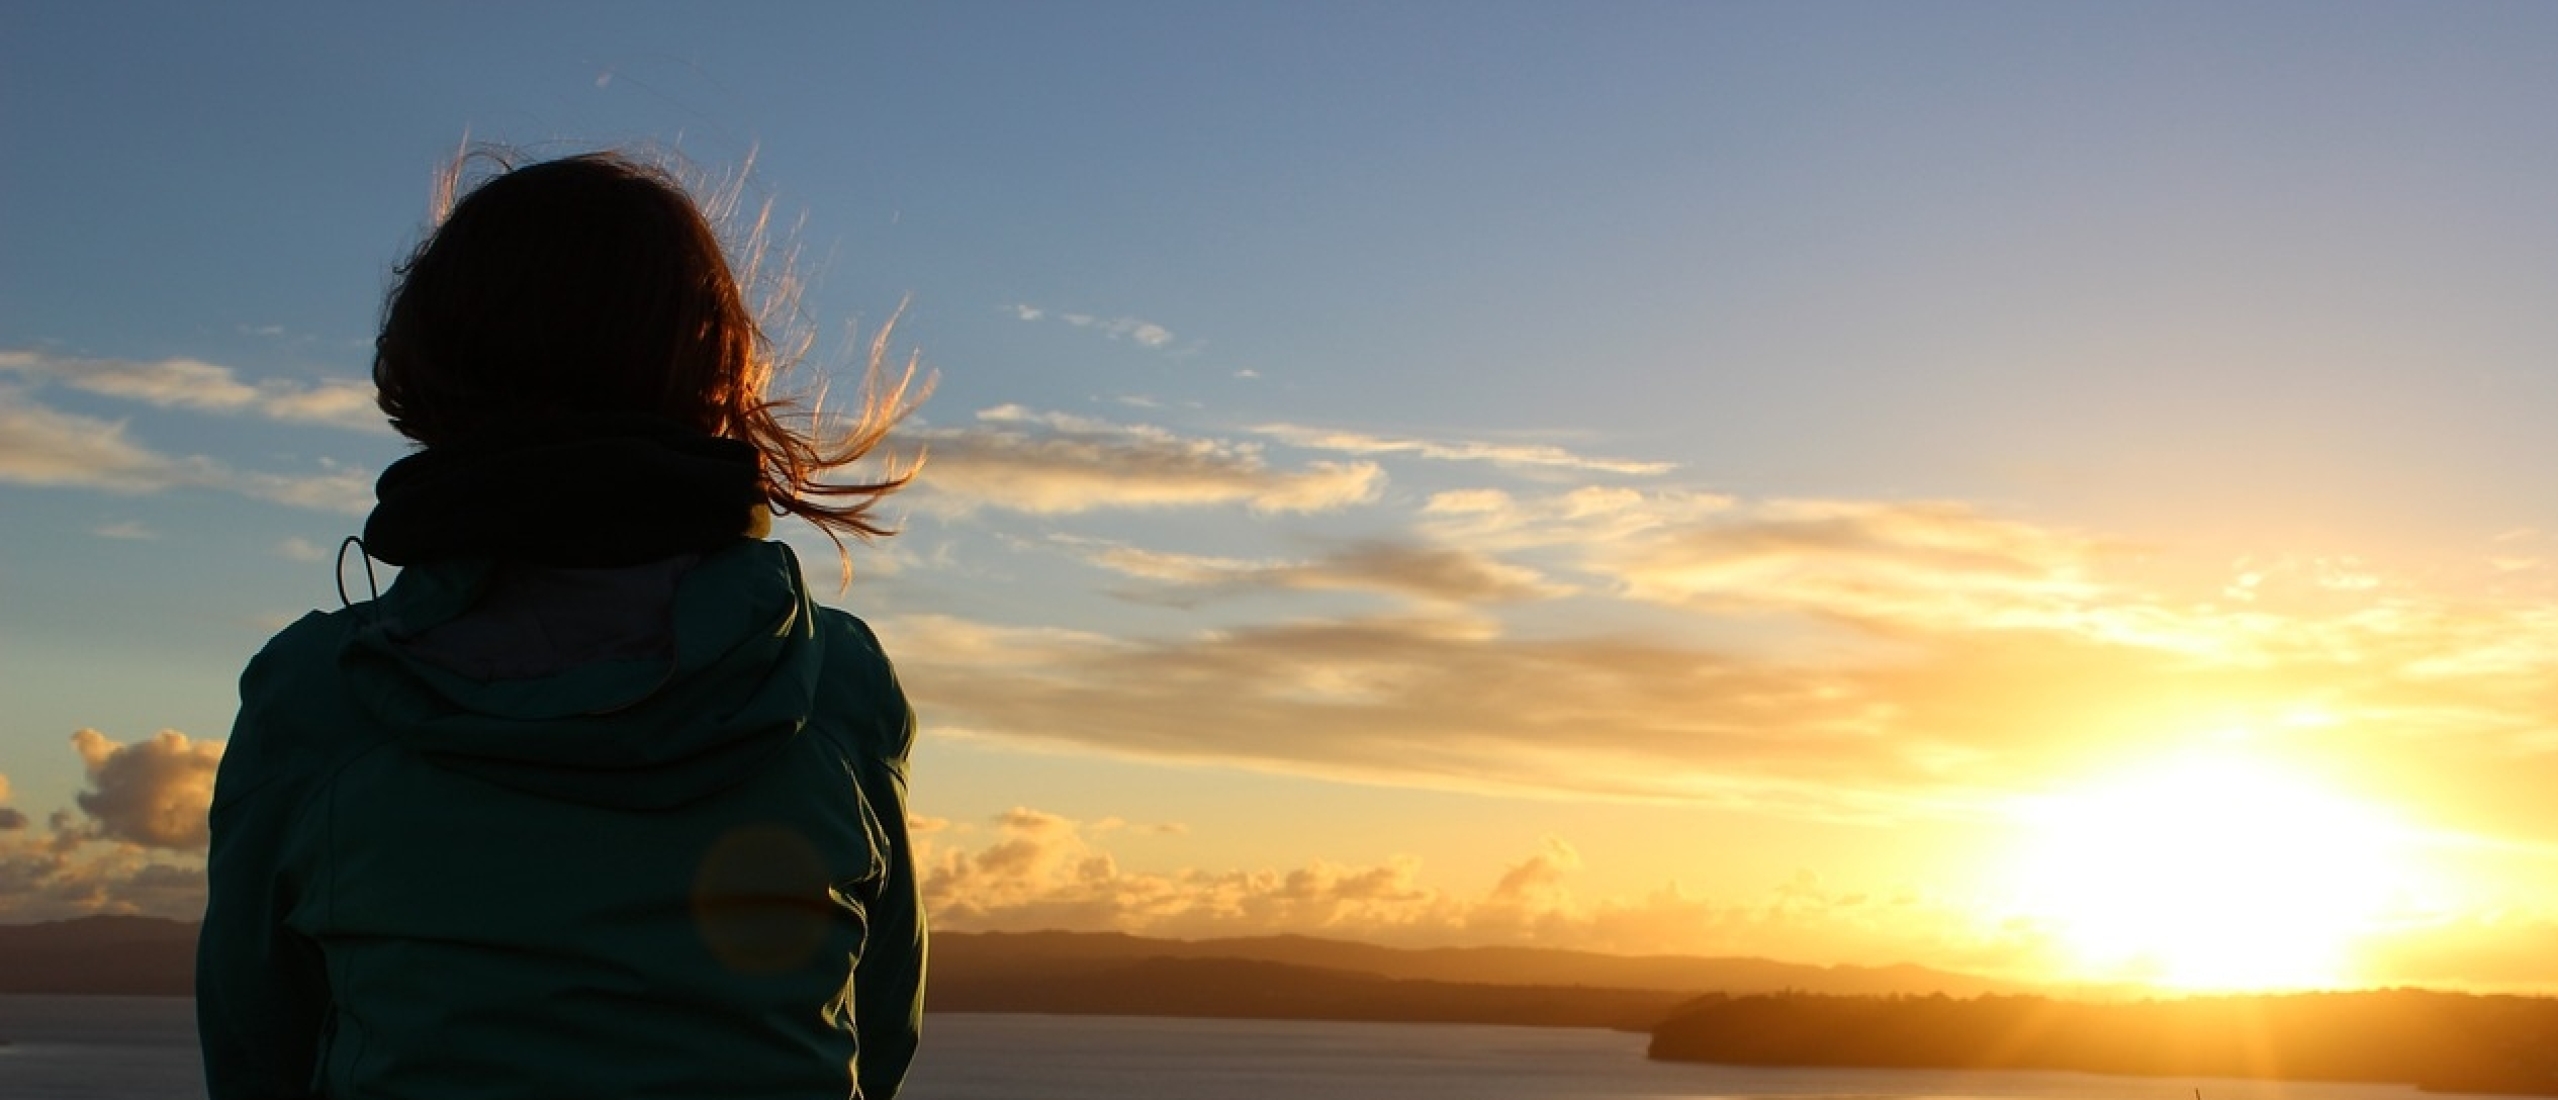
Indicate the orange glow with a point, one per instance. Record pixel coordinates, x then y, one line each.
2212 870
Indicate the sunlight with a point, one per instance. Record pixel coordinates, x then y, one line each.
2212 870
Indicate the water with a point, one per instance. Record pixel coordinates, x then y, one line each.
997 1057
143 1048
99 1048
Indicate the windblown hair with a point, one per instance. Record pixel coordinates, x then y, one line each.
596 284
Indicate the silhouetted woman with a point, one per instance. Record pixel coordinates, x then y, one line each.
595 801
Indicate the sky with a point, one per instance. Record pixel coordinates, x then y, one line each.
2054 491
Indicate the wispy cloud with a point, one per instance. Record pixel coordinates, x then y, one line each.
1020 460
1932 564
44 446
1141 332
1438 700
1505 454
131 530
1438 574
345 490
193 384
1927 565
1589 516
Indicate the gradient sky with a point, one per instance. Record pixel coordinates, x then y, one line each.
1651 477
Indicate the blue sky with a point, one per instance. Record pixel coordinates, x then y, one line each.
1431 472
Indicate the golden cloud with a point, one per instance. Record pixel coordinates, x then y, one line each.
1039 870
1833 660
135 847
150 793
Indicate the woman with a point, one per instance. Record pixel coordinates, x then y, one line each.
594 801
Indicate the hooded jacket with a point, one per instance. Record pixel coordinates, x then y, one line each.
509 831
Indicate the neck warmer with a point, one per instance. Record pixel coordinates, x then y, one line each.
589 492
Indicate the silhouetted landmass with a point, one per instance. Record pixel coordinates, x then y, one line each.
970 957
153 956
1249 989
2439 1041
1882 1017
122 956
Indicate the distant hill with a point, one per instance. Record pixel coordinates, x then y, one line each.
1278 977
2444 1042
123 956
1253 989
1758 1013
971 956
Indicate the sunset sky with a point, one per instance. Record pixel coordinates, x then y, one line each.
2060 491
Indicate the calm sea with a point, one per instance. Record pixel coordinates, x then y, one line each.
141 1048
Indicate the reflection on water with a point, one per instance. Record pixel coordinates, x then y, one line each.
998 1057
143 1048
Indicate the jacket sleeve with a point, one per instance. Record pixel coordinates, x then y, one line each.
888 983
261 990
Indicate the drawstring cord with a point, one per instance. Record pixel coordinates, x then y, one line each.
371 585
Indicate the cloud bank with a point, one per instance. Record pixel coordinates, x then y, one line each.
136 845
1868 660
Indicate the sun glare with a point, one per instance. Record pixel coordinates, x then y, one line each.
2213 871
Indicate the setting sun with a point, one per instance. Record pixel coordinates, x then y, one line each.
2211 871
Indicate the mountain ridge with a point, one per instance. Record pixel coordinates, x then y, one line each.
1053 951
127 955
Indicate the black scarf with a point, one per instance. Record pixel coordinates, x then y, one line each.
581 493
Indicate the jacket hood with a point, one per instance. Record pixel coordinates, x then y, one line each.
723 693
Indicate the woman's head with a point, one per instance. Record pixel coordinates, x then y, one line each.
582 285
594 284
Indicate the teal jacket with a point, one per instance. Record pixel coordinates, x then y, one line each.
675 865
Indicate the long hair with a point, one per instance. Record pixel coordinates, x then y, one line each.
597 284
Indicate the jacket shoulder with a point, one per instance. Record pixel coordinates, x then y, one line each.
860 684
294 714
